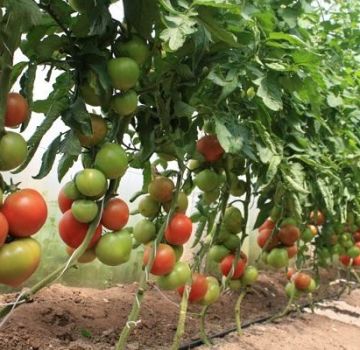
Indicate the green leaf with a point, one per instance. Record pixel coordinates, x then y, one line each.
269 92
65 164
217 29
327 194
292 39
77 117
142 24
16 71
232 6
48 158
334 101
233 136
71 144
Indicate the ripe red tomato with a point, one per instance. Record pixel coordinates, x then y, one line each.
268 224
199 287
289 234
4 229
17 110
73 232
292 251
115 215
345 260
319 220
227 263
264 236
64 202
301 280
356 261
209 146
179 230
164 260
25 211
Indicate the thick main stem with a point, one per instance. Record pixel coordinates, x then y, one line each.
203 334
182 318
135 311
238 311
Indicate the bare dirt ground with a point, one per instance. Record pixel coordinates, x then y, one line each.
62 318
334 326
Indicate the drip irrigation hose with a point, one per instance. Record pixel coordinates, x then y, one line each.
197 342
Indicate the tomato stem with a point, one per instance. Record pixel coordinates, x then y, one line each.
182 318
238 311
203 334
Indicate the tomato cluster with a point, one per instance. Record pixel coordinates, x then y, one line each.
79 200
22 215
299 282
279 243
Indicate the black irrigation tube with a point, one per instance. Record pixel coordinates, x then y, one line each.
197 342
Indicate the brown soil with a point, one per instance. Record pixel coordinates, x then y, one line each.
336 328
87 319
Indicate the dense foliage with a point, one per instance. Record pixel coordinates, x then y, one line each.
243 100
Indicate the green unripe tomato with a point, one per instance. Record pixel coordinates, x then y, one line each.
291 291
353 252
250 275
217 253
114 248
124 73
111 160
71 191
84 210
91 182
178 277
278 258
233 220
312 286
13 151
212 293
181 203
238 188
232 242
135 48
207 180
144 231
148 207
211 196
125 104
193 164
307 235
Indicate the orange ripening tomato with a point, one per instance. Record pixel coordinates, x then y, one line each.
319 220
268 224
